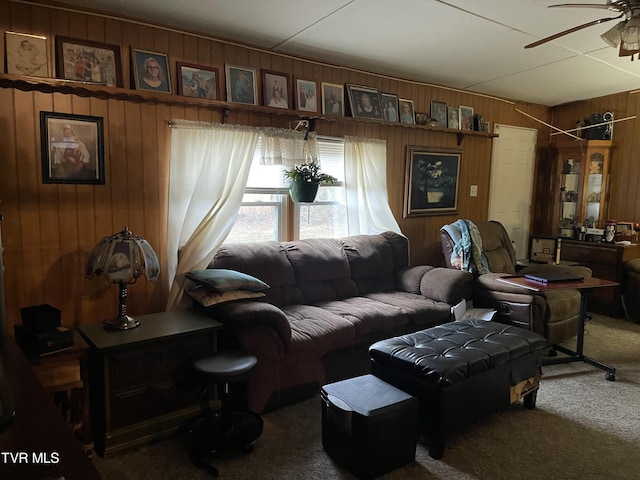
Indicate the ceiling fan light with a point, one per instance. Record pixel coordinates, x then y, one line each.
630 36
612 36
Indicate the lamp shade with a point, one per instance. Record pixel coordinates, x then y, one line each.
123 258
612 36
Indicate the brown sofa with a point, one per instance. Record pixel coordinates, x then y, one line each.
328 301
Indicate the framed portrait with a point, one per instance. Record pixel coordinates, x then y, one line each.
198 81
431 181
332 99
389 103
72 148
466 118
90 62
364 102
27 54
439 113
276 89
480 123
407 113
241 85
151 71
453 115
306 93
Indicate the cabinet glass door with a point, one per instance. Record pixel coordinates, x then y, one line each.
595 188
570 187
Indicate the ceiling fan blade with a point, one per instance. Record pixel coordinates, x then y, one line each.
605 6
571 30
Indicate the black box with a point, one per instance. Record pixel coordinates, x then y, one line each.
40 318
41 343
369 426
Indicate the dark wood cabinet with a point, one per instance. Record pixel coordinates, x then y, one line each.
605 261
140 379
571 187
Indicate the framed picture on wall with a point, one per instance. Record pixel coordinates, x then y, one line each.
439 113
72 148
198 81
276 89
151 71
364 102
27 54
431 181
389 103
332 99
90 62
407 113
306 93
466 118
241 85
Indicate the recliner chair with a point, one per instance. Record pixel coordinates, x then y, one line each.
553 314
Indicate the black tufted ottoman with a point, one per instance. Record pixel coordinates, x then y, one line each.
461 370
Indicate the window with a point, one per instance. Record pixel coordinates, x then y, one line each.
267 212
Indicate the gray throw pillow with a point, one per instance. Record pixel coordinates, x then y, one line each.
223 280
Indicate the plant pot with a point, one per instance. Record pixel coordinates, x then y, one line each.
304 192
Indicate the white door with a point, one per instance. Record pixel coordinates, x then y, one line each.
512 182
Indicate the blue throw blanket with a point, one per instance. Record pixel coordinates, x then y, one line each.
468 246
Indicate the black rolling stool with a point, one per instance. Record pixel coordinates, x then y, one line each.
224 429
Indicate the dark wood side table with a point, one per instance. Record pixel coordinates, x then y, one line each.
605 261
140 378
64 375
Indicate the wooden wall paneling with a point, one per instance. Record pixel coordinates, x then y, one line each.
625 176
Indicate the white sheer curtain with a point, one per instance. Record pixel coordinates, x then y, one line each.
368 210
209 169
287 147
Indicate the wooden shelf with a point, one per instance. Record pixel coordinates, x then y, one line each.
82 89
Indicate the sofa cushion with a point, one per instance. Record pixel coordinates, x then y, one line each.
371 262
224 280
266 261
423 312
316 330
206 297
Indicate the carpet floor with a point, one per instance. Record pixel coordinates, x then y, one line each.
583 427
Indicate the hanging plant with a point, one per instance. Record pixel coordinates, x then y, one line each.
305 180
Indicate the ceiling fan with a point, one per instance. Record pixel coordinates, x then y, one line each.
625 34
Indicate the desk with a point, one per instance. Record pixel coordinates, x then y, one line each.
584 287
139 378
37 430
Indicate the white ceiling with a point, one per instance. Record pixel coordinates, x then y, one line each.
474 45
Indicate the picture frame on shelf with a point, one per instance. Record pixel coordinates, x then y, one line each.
466 118
453 118
90 62
390 109
306 93
198 81
332 99
407 112
72 148
480 123
431 181
151 70
26 54
364 102
439 113
241 84
276 89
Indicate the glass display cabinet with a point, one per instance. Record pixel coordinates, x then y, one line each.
582 196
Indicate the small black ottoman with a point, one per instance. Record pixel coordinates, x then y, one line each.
369 426
460 371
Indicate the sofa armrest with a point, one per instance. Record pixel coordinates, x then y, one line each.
408 279
246 315
446 285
